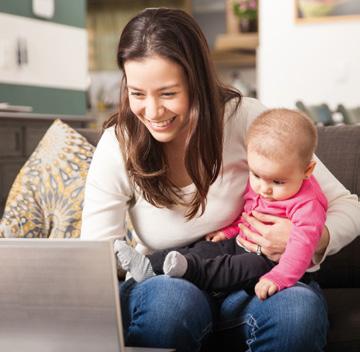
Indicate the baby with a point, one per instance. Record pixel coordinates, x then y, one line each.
280 146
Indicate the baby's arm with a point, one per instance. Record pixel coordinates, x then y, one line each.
308 222
265 288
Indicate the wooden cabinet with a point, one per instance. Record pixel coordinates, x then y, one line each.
8 171
10 140
19 136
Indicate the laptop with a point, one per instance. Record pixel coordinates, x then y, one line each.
60 295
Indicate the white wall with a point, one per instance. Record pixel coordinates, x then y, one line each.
318 62
57 54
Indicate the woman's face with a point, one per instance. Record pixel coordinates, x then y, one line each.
158 96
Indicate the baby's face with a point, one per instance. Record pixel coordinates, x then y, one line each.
275 179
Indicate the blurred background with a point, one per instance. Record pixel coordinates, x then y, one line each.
57 60
58 56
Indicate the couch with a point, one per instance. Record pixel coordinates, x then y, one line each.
339 276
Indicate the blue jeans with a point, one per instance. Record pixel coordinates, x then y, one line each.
170 312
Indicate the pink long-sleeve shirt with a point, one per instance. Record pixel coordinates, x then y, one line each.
307 212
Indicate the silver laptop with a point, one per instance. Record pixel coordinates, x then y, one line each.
60 295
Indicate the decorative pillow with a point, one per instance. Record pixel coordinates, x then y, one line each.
46 199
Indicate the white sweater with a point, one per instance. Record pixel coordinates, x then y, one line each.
109 194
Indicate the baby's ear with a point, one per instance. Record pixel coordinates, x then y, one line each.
310 168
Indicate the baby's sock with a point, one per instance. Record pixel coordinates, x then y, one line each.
137 264
175 264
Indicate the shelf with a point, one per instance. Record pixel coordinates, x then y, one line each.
233 58
236 41
236 49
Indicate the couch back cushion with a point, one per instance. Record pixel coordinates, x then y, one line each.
339 150
91 135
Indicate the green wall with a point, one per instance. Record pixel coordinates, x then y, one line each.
68 12
45 100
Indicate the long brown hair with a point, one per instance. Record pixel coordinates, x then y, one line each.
173 34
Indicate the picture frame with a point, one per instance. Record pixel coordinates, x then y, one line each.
310 11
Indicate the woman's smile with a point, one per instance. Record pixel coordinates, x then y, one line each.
161 125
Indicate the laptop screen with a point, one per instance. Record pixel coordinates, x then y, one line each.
59 295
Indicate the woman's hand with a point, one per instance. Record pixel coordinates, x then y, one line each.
273 234
215 236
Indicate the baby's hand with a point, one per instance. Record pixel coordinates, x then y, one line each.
265 288
215 236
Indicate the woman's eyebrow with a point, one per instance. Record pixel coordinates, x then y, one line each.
175 85
170 86
132 87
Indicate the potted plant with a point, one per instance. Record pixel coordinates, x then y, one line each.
246 11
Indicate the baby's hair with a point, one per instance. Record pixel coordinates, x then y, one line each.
281 133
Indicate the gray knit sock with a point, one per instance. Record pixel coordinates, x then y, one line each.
137 264
175 264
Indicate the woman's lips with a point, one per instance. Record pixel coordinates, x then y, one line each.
161 124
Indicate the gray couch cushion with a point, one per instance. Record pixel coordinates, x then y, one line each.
91 135
339 150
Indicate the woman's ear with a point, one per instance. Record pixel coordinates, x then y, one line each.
310 168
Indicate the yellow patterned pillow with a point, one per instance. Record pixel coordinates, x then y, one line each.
46 199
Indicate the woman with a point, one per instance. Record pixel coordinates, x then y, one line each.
174 157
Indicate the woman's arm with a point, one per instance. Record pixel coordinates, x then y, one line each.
322 245
107 192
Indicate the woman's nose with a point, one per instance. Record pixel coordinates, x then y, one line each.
153 109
